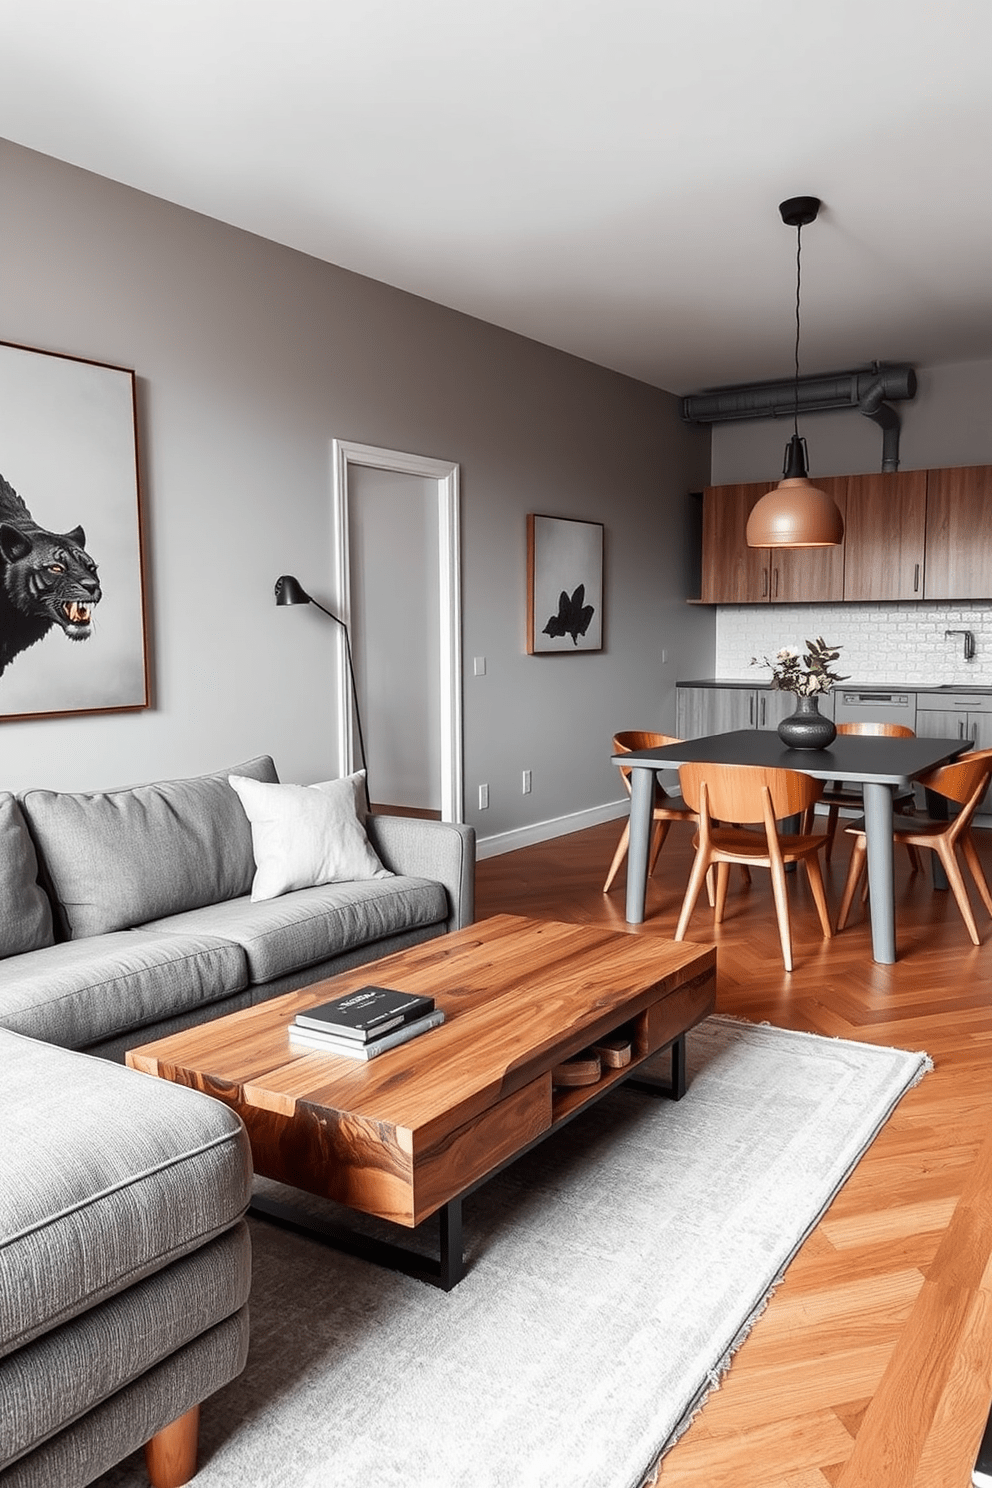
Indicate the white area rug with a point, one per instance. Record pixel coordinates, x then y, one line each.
614 1270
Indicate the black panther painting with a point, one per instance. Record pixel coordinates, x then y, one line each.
46 578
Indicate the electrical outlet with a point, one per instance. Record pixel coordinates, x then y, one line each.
664 656
526 783
479 666
483 797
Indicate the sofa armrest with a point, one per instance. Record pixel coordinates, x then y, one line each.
423 848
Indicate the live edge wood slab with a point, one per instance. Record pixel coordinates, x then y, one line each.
404 1134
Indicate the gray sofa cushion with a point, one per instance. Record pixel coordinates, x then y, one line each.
81 992
310 925
42 1387
25 913
106 1175
115 858
82 1453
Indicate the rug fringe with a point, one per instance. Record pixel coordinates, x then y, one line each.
715 1376
921 1054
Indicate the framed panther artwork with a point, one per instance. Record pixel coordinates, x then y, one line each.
72 609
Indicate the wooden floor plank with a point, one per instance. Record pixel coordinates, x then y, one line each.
903 1252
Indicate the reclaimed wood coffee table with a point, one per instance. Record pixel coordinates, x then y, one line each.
411 1132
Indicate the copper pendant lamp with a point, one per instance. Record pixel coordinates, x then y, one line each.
796 514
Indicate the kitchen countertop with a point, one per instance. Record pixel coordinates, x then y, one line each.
978 688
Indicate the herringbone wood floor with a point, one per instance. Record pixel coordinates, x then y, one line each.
872 1367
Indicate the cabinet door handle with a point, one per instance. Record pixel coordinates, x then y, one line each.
750 710
776 583
960 728
764 702
916 580
764 584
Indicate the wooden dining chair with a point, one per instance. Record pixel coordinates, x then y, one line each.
836 796
752 794
666 808
966 782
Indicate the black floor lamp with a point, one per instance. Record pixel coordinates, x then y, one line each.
290 591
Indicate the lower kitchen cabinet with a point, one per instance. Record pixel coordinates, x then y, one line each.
722 710
963 715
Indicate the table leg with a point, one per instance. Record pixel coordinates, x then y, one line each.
878 836
641 805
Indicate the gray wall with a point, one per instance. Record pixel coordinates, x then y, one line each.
251 358
947 423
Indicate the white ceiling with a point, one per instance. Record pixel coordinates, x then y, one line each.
603 175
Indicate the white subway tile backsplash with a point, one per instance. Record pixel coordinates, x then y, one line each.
879 643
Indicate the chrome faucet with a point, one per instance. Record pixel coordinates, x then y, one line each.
969 642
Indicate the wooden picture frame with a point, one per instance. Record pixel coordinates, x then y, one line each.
564 585
72 604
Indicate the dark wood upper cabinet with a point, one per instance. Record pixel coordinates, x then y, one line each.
913 534
959 533
812 575
885 532
733 573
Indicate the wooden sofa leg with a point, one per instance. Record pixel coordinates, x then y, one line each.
170 1456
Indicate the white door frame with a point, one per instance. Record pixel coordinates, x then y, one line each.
344 455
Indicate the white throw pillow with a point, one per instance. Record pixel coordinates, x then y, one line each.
304 835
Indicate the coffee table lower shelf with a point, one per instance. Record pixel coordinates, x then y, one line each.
447 1268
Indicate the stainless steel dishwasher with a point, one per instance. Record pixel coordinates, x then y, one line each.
874 705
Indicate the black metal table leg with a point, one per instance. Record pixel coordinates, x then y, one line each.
444 1272
452 1267
676 1089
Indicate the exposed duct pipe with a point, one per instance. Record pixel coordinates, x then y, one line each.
872 407
865 391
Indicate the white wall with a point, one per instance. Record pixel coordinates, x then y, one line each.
251 359
949 422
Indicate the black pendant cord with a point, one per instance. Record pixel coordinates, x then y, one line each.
799 260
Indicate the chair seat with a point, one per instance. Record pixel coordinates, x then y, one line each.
852 796
906 830
740 843
672 806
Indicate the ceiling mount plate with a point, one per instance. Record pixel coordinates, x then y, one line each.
800 211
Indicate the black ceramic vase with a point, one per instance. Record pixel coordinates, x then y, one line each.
806 728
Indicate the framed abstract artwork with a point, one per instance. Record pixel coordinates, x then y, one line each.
564 585
72 609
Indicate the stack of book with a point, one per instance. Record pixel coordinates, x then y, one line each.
365 1023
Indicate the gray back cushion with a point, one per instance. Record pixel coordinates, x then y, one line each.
25 913
117 858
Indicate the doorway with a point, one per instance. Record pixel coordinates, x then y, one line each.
398 584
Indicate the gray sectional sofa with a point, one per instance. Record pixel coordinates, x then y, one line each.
124 1267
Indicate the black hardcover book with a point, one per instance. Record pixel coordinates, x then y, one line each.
366 1013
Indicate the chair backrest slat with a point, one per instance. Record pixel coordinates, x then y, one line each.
878 730
959 780
630 739
736 792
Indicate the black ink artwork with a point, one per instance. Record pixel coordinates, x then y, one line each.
46 578
573 616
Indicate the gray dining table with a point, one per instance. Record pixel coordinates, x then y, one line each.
880 765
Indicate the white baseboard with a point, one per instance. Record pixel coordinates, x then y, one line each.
559 826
